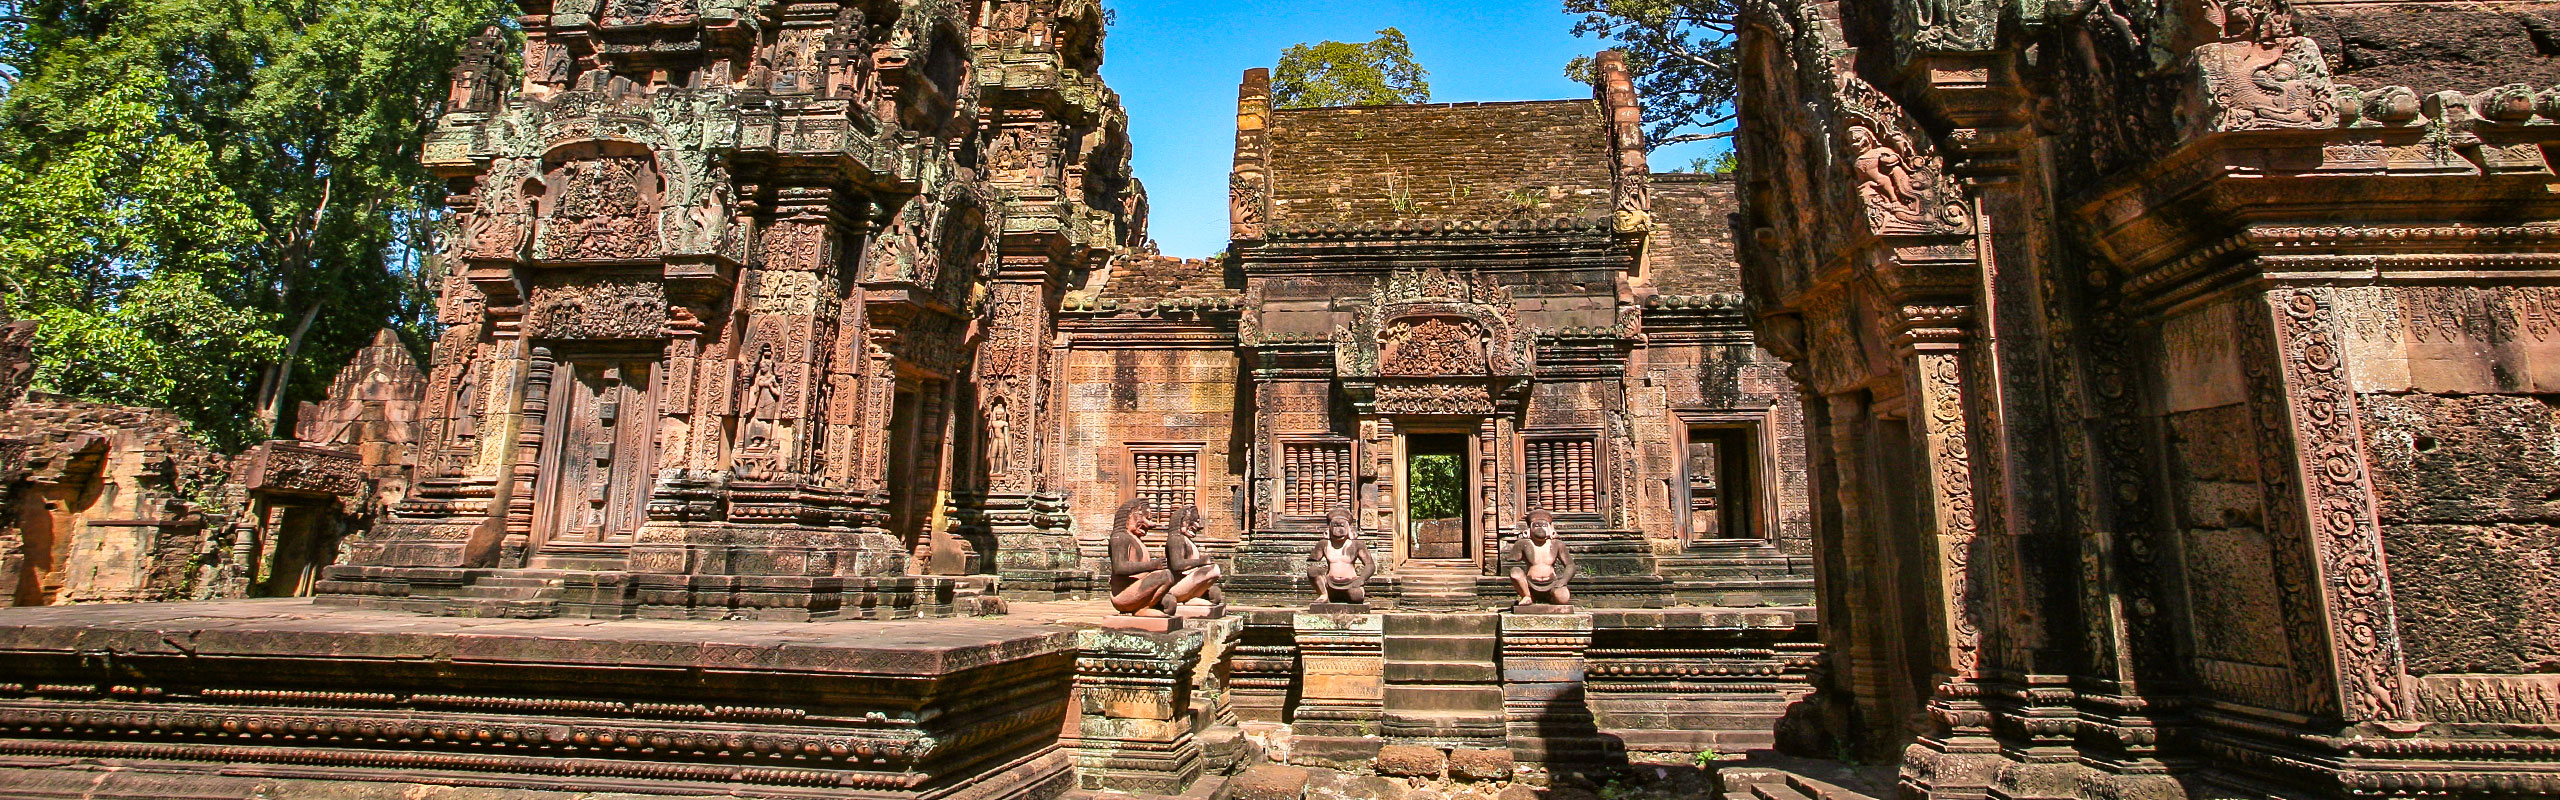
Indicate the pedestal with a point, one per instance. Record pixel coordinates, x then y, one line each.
1132 622
1542 689
1342 693
1135 728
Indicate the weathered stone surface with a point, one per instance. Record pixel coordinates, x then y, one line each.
1475 764
1410 761
1267 782
109 504
2203 419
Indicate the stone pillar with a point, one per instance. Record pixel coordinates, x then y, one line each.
1342 690
1249 186
1543 703
1133 723
1958 755
1034 552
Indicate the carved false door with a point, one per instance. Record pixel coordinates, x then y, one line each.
597 460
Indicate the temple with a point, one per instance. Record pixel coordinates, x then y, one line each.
2093 402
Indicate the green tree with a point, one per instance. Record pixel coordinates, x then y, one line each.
1720 164
211 203
1681 55
1377 72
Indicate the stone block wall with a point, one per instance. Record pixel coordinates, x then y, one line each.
116 504
1125 400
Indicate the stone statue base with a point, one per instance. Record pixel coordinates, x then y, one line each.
1338 608
1200 610
1543 608
1128 622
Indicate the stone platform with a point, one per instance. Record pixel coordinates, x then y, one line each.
282 698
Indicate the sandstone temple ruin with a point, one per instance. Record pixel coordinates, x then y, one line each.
2099 401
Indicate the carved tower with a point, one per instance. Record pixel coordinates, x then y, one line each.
719 268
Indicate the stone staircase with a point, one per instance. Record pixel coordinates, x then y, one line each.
1443 685
1739 575
1775 777
525 593
1433 588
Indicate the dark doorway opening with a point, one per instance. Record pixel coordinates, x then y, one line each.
1723 484
1435 497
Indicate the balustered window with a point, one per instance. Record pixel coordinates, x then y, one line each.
1562 476
1166 477
1318 478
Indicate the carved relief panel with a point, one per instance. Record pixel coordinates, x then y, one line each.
1430 347
599 202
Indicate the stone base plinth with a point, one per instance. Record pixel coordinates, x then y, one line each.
1543 608
319 696
1338 608
1132 622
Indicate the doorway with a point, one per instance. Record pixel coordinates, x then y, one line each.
1722 483
599 455
1435 498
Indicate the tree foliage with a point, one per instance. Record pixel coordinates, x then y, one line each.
1720 164
1435 488
212 203
1681 54
1377 72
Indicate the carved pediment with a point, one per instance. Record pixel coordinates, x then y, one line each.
1430 347
1436 324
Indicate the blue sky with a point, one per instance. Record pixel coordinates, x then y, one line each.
1176 64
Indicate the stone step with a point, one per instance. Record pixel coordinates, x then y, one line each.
1777 791
512 592
1481 699
1442 671
1444 726
1440 648
1484 625
511 582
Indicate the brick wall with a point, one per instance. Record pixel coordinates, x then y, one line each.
1692 250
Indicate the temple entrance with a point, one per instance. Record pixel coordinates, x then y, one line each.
1435 498
1722 483
597 460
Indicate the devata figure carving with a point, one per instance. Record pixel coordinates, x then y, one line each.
1340 566
1541 564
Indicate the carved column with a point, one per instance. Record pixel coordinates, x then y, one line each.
1959 755
1036 556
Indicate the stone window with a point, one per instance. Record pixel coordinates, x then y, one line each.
1561 476
1318 477
1167 477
